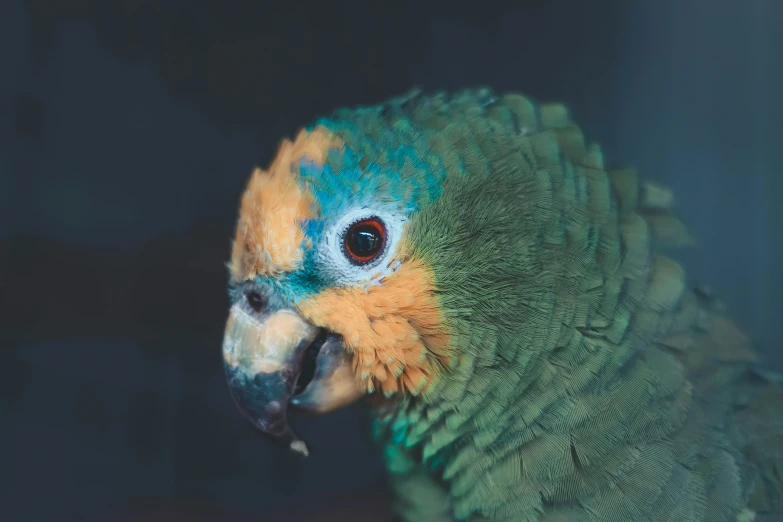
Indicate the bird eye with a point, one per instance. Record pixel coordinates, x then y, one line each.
364 240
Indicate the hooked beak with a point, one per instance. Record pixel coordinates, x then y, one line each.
276 358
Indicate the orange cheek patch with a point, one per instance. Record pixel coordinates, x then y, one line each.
394 330
269 237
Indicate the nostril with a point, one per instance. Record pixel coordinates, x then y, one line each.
256 301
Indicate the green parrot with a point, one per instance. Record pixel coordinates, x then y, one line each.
467 264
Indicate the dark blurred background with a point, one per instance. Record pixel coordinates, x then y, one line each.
128 129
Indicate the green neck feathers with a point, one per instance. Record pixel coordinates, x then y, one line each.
571 398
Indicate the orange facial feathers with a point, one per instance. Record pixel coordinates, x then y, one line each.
268 237
395 330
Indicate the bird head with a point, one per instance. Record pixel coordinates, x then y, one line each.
390 251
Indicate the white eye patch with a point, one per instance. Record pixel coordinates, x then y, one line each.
334 260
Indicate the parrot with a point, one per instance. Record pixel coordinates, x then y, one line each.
509 309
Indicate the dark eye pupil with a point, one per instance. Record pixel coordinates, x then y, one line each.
365 240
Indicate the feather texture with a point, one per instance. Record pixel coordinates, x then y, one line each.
589 382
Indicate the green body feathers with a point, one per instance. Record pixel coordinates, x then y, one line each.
592 384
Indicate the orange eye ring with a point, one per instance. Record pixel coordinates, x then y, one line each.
364 240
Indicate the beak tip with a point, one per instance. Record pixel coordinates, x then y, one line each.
264 358
298 446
